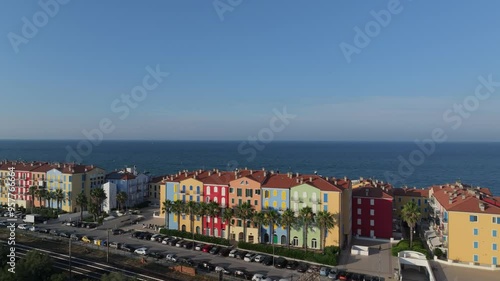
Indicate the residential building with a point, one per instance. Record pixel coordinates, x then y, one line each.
23 180
246 188
131 182
466 222
191 189
418 196
154 190
372 209
110 202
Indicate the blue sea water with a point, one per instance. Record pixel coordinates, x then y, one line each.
473 163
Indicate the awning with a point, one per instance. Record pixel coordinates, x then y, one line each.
435 242
429 234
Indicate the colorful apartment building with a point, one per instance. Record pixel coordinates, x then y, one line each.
133 183
246 188
191 189
23 180
418 196
154 187
372 209
466 221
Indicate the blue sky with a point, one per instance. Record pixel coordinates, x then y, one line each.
227 76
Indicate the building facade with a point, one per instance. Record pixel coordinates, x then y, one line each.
135 184
216 189
372 211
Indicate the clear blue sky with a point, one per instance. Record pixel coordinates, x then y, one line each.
226 77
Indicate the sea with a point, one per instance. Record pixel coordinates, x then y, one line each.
401 163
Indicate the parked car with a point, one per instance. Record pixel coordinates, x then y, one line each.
357 277
324 271
233 253
179 243
75 237
313 268
118 231
280 263
148 236
65 234
214 251
187 261
87 239
206 248
188 245
249 257
127 248
292 265
173 242
199 246
33 228
160 238
268 260
115 245
153 237
224 252
166 240
54 232
342 275
44 230
259 258
171 257
206 266
333 273
303 267
23 226
137 234
243 274
156 255
223 269
241 255
141 251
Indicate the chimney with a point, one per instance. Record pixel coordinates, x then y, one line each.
297 180
297 174
209 173
361 179
450 201
263 169
265 174
481 207
310 179
301 180
251 172
272 172
219 174
367 192
463 196
327 178
335 182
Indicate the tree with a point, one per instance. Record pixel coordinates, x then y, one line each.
50 195
272 218
93 208
81 201
288 220
192 209
178 208
306 217
59 196
166 208
32 191
40 193
227 216
244 212
202 211
121 198
34 266
213 210
259 218
411 215
98 196
325 221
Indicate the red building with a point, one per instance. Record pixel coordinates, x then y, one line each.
216 189
372 210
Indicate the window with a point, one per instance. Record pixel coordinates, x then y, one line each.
314 243
476 258
325 198
372 212
238 192
238 223
372 202
257 192
275 193
496 220
283 195
223 190
359 221
359 201
325 208
304 195
215 189
295 241
208 190
476 244
494 233
190 187
266 194
494 247
256 203
372 223
230 190
472 218
494 261
359 211
476 231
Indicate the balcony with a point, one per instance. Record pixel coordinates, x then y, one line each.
315 201
297 200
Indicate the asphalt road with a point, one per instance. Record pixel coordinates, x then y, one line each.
197 256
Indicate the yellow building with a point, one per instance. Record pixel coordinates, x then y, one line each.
467 221
191 189
154 195
418 196
337 200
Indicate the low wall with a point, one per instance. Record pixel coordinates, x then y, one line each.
360 250
185 270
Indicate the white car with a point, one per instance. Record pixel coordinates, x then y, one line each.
199 246
141 251
179 243
259 258
171 257
153 238
249 257
260 277
34 228
220 268
232 253
23 226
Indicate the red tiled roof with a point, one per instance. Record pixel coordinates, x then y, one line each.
219 178
371 192
460 198
412 192
280 181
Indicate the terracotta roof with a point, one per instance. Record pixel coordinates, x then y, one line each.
45 167
280 181
158 179
255 175
412 192
120 176
371 192
460 198
219 178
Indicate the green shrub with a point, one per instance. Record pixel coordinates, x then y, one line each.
404 245
141 205
438 253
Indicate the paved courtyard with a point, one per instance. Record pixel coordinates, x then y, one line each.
446 272
378 263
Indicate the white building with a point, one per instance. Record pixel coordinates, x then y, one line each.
110 202
131 182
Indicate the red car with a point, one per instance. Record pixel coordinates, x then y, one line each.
206 248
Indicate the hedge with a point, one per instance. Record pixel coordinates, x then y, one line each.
197 237
404 245
330 257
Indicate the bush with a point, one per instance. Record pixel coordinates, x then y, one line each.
438 253
330 257
141 205
198 237
404 245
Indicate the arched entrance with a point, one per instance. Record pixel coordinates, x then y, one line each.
266 238
283 240
183 228
240 236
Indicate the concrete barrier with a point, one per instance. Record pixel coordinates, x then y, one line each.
360 250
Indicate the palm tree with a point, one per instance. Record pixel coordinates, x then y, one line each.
166 208
244 212
227 216
98 196
259 218
121 198
192 209
272 218
178 207
213 210
411 215
50 196
288 220
93 209
325 221
202 211
81 201
306 217
59 196
32 191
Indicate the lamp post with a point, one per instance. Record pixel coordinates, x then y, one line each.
70 259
